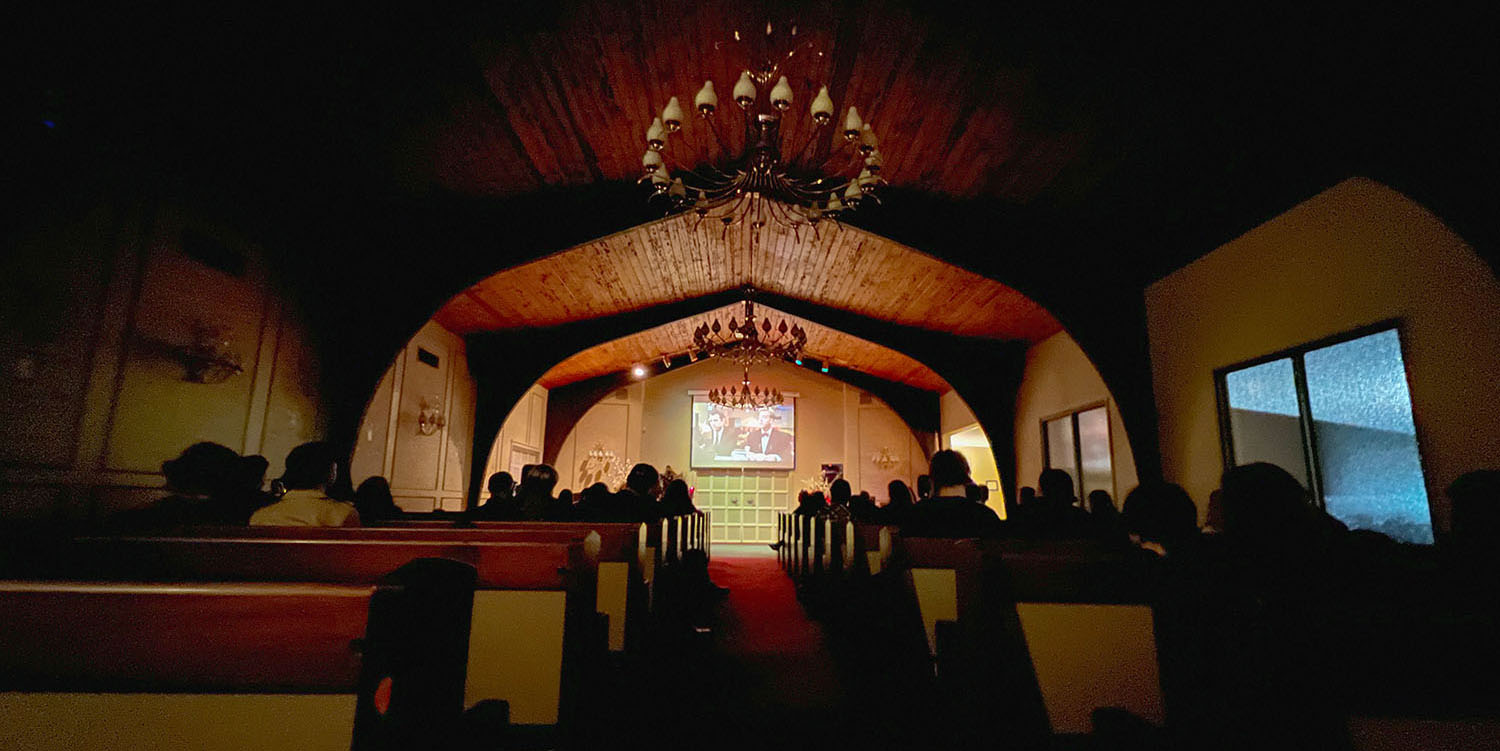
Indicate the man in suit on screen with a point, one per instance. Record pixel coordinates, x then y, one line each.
766 442
716 438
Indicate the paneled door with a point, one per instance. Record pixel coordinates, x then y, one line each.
742 503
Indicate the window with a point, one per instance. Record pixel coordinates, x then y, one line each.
1337 415
1078 443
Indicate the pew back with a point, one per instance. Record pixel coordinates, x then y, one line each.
233 665
530 616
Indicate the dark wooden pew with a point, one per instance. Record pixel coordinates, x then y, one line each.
533 631
1065 627
613 551
234 665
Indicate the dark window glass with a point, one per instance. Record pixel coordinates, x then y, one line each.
1078 443
1094 465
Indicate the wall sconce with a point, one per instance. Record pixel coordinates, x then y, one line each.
430 416
207 358
885 460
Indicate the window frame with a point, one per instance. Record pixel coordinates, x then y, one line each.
1304 408
1077 470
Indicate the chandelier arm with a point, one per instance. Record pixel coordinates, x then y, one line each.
720 142
787 214
835 153
700 180
812 138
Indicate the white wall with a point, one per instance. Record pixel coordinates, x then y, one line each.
92 398
1058 379
426 472
1356 254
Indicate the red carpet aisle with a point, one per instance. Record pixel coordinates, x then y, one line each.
765 632
760 676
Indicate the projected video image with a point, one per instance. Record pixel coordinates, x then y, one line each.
761 439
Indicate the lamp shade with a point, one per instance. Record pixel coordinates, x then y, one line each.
852 124
707 99
651 160
671 115
744 90
781 95
822 107
656 135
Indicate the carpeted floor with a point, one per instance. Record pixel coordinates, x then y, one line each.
754 670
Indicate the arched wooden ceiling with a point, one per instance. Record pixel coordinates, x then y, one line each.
823 344
677 259
569 100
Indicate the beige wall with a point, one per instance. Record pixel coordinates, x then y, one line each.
519 441
1058 379
93 398
1356 254
426 471
836 423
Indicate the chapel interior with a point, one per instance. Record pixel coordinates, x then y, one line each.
1017 280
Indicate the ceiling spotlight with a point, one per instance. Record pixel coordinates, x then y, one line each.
798 361
692 355
824 368
666 362
638 371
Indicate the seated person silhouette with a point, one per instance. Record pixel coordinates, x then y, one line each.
949 512
311 469
502 504
208 484
373 501
1053 515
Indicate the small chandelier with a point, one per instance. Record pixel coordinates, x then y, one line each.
752 341
761 181
745 396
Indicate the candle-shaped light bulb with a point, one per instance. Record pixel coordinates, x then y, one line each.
656 135
744 91
781 95
852 124
671 115
707 99
822 107
651 160
867 140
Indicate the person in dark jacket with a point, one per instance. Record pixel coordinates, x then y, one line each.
949 512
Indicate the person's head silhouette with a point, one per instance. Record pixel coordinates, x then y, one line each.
501 484
950 473
1056 487
311 465
840 492
1262 501
644 481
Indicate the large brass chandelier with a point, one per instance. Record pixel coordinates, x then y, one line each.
752 341
761 181
745 396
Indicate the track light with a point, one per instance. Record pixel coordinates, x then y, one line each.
638 371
